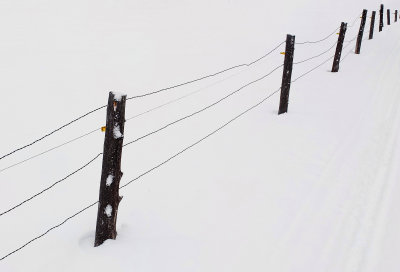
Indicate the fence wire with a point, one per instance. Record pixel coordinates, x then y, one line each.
316 56
51 186
318 41
205 108
141 96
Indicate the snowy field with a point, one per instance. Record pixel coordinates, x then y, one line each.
313 190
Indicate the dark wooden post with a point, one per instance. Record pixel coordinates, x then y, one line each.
361 31
339 47
287 74
381 18
111 173
372 26
396 14
388 17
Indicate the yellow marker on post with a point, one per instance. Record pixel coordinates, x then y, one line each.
103 129
283 53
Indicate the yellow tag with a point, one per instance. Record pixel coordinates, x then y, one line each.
103 129
283 53
337 33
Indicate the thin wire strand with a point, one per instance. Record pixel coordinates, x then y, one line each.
318 41
345 56
48 150
180 98
46 232
201 140
316 67
207 76
316 56
51 186
348 53
349 41
205 108
52 132
355 20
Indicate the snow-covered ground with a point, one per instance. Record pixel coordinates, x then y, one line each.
312 190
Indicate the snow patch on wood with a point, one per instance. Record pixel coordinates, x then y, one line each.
109 180
118 96
117 132
108 210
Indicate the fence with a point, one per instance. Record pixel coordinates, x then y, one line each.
111 174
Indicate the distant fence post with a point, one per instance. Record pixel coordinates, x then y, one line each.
388 17
396 14
361 31
372 26
111 172
287 74
339 47
381 18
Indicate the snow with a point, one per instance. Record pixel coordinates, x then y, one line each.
117 132
312 190
109 180
118 96
108 210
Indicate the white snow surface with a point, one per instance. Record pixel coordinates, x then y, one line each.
309 191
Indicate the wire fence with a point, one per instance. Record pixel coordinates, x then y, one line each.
144 95
182 151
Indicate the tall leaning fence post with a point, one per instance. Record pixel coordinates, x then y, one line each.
361 31
372 26
396 14
287 74
339 47
388 17
111 174
381 18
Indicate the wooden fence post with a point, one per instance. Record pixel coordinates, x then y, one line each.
339 47
361 31
111 172
396 14
287 74
381 18
372 26
388 17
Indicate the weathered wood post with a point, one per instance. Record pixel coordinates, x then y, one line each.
381 18
388 17
361 31
339 47
287 74
111 172
396 14
372 26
